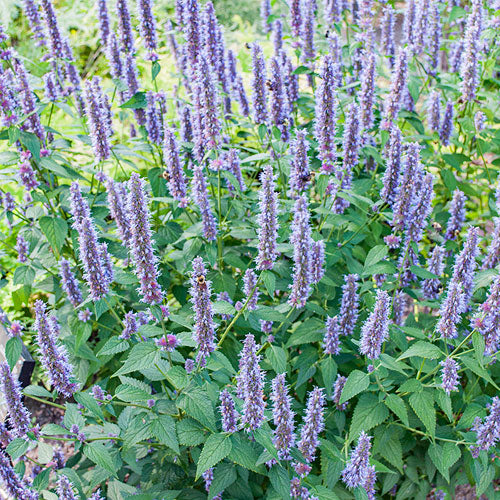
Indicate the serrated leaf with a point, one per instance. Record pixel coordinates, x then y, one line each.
223 307
224 476
128 393
197 405
397 406
143 355
329 372
55 230
98 454
137 430
475 367
422 273
17 448
163 428
422 349
269 280
280 480
37 390
356 382
24 275
444 457
244 453
277 358
190 432
13 349
423 406
137 101
45 452
375 255
114 345
216 448
369 413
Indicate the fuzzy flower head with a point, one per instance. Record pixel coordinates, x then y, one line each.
313 424
259 92
349 307
283 416
201 198
338 386
457 215
250 289
449 373
175 174
487 431
357 468
201 291
376 328
12 484
228 412
317 260
69 283
331 342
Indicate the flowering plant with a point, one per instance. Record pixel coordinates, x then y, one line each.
275 283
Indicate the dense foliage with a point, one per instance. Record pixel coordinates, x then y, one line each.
261 271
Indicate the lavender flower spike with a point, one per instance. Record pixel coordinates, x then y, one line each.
53 356
268 221
22 248
387 35
54 33
265 12
34 20
326 110
457 215
227 411
434 110
117 202
69 283
200 195
14 486
349 306
450 375
125 26
313 424
317 261
176 177
398 85
451 309
141 241
488 432
431 287
299 168
393 167
493 256
283 434
331 341
447 124
367 92
357 468
201 291
337 392
19 416
249 284
102 14
376 327
301 241
65 489
252 384
147 25
259 93
279 104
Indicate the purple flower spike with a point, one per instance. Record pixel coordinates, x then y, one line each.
259 92
367 93
398 86
232 165
130 325
53 355
393 167
175 173
301 241
227 411
147 25
369 482
117 202
434 38
200 195
251 378
268 221
447 125
103 15
387 35
451 309
337 392
376 327
493 256
141 242
331 342
420 209
357 469
313 424
265 12
114 57
432 287
300 173
434 110
479 121
296 17
191 18
22 248
14 486
125 26
19 416
54 33
457 215
307 30
317 261
349 307
326 110
449 374
279 104
283 435
249 284
488 432
66 489
277 36
34 20
204 333
69 283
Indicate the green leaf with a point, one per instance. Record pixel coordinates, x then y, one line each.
375 255
280 480
155 69
422 273
113 346
244 453
444 457
45 452
269 280
329 372
32 142
190 432
475 367
356 382
223 307
138 429
37 390
369 413
216 448
24 275
224 476
263 437
55 230
398 407
143 355
277 358
197 405
163 428
17 448
137 101
98 454
423 405
13 349
422 349
389 446
129 393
